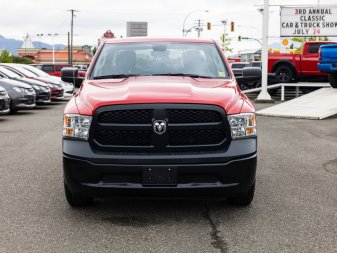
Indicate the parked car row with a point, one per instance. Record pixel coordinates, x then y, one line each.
23 86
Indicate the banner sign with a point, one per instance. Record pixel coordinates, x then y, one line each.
135 29
309 21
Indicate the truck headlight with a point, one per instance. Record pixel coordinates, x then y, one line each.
76 126
242 125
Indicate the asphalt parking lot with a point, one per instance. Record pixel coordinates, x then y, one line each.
294 210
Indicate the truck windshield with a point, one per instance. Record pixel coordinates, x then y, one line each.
159 58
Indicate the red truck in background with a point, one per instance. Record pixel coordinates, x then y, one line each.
291 67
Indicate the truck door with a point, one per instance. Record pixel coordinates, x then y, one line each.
309 59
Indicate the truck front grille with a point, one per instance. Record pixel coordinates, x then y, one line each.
126 116
189 127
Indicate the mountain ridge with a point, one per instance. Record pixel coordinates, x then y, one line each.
13 44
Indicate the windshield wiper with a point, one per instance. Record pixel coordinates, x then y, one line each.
182 74
114 76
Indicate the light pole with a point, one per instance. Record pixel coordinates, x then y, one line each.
25 43
187 18
264 95
39 52
53 35
39 35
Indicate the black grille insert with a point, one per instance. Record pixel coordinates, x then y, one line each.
123 137
196 137
193 116
189 128
126 117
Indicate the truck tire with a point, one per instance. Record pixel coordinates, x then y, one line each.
333 80
76 201
284 74
243 200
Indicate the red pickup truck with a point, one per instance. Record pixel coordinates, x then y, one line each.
291 67
159 117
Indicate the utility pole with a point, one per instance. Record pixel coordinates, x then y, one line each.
68 47
224 22
71 35
199 27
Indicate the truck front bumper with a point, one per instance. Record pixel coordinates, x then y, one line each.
217 174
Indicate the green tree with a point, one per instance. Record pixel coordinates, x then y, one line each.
304 39
5 56
226 43
24 60
94 50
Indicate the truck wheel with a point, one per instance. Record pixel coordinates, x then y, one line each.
333 80
243 200
284 74
76 201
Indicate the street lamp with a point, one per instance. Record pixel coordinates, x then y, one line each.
25 43
187 18
39 35
53 35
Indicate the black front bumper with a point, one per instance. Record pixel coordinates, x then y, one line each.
211 174
24 102
43 97
4 105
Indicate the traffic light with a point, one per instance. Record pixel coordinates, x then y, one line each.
208 25
239 38
232 26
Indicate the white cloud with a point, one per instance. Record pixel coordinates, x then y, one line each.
165 18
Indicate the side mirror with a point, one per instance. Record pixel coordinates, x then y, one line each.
249 74
69 75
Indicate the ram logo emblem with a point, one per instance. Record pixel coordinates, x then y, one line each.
159 126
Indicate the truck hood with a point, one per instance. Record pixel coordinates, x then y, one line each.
149 89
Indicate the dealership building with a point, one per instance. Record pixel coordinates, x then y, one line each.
81 54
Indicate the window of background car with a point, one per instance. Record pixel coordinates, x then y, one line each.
313 48
60 67
160 58
239 65
37 66
48 68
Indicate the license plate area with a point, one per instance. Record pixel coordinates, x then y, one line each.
159 176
